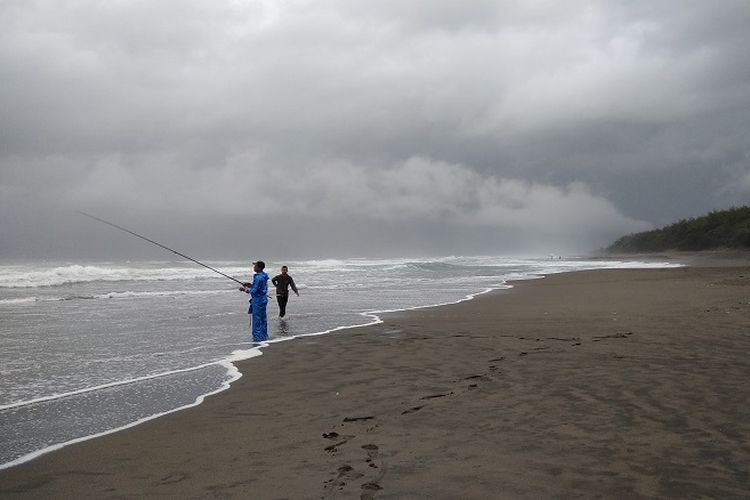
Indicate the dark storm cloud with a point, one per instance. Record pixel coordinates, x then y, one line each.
385 126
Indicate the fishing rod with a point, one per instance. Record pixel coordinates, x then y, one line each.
159 245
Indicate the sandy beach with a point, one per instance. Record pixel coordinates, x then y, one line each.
602 384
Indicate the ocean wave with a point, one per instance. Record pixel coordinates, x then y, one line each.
27 276
429 266
19 301
23 277
172 293
110 295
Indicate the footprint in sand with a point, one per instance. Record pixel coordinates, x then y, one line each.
622 335
369 490
433 396
340 440
345 473
357 419
372 454
493 367
476 378
335 446
413 409
174 478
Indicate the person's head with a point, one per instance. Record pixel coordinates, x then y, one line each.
284 269
259 266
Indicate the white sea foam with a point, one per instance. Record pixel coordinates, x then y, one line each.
232 372
112 295
119 383
24 277
19 301
174 293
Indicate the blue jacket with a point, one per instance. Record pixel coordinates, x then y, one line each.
259 289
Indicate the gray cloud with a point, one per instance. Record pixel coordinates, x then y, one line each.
386 126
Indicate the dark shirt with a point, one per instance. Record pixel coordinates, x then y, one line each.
282 283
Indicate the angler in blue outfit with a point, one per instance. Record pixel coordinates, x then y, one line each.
258 291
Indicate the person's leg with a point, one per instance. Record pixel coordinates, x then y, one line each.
263 323
259 322
282 300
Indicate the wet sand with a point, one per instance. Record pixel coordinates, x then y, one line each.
602 384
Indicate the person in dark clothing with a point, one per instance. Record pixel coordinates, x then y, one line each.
282 282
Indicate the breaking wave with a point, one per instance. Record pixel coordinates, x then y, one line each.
21 277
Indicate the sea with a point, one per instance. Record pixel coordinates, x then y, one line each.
90 348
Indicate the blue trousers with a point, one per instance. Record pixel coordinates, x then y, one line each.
259 320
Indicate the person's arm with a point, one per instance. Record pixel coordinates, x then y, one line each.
294 288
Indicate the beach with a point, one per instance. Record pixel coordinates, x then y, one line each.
592 384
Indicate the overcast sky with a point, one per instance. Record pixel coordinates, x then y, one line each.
332 128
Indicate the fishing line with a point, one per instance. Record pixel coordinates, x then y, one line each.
159 245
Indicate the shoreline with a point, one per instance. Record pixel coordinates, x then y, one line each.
362 362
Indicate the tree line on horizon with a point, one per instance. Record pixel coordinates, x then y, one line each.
719 229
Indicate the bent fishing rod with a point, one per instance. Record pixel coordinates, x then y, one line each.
159 245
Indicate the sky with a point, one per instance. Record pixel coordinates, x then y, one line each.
281 129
